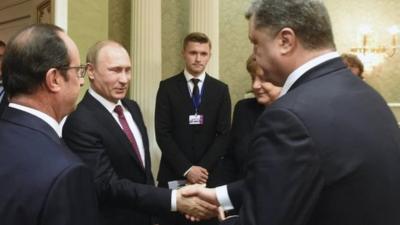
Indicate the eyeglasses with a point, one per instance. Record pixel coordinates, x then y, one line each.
81 69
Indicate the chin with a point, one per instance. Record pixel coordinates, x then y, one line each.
263 101
119 95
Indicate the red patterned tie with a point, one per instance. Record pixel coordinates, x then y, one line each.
125 127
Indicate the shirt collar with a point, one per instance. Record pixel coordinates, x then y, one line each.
300 71
110 106
189 76
43 116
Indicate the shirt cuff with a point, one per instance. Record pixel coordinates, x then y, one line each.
187 171
173 201
223 198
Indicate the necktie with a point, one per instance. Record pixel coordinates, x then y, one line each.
1 92
125 127
195 92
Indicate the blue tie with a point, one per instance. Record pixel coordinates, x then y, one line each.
195 92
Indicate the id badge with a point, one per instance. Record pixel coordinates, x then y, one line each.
196 119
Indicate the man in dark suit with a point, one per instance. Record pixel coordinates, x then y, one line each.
107 131
3 95
192 120
42 181
319 154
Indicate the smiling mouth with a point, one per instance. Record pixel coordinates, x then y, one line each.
260 94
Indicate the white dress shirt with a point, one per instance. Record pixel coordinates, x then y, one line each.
297 73
110 106
43 116
190 84
222 191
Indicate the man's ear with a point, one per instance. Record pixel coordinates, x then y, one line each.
54 80
90 71
287 40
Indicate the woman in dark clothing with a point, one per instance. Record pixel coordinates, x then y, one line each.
245 115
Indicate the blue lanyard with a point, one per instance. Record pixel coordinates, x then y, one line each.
1 93
196 104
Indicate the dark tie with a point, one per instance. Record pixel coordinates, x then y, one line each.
195 92
125 127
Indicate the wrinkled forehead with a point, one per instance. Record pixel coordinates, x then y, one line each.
113 54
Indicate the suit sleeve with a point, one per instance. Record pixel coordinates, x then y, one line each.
81 138
71 199
283 179
164 125
218 147
235 192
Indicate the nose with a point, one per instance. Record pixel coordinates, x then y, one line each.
125 77
256 84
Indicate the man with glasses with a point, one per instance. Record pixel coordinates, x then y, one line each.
42 181
108 132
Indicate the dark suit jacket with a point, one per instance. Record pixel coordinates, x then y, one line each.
245 116
184 145
42 182
125 190
327 152
3 103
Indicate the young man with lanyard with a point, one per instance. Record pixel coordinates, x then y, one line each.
192 120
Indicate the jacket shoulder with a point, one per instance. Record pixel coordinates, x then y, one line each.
215 81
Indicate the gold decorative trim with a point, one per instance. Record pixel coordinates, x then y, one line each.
44 12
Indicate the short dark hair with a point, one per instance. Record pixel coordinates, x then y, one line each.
2 43
29 55
309 19
196 37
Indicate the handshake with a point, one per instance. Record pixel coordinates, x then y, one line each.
198 203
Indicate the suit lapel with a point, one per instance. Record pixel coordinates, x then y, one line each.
207 93
108 122
136 116
183 88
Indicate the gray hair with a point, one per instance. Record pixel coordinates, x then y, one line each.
309 19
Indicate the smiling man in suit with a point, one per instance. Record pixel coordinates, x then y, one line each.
42 181
328 150
192 120
108 132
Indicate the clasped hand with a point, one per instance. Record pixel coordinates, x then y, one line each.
198 203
